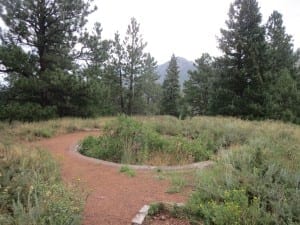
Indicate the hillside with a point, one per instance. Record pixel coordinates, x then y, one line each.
184 66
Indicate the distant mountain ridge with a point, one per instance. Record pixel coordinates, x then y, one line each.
184 66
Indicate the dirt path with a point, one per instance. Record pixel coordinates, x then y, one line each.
114 198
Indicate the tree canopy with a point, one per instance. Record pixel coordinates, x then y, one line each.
171 89
38 55
54 67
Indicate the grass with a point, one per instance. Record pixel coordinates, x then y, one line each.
253 182
155 208
127 170
130 141
255 179
31 191
36 130
178 183
170 209
168 141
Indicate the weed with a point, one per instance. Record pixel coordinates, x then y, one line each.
31 191
43 133
37 130
129 141
160 177
155 208
178 183
158 170
255 179
255 183
128 171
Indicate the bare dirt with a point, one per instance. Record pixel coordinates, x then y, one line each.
113 198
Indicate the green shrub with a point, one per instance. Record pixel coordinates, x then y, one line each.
125 140
168 125
256 183
44 133
31 191
155 208
129 141
27 112
101 148
128 171
177 184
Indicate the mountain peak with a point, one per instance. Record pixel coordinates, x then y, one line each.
182 59
184 66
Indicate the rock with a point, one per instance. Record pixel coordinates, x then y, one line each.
140 217
144 209
163 217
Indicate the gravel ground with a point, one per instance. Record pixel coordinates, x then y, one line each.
113 198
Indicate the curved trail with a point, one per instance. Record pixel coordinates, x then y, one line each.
113 198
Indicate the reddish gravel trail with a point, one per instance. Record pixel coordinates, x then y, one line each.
113 198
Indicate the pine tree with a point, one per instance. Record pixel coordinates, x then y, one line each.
134 59
280 46
283 98
96 70
198 88
243 64
282 93
171 89
38 53
48 28
118 64
147 89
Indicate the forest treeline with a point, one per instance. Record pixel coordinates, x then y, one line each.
55 67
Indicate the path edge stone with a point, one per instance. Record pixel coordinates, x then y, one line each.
140 217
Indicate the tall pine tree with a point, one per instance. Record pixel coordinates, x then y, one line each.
280 47
118 64
38 54
198 88
96 69
133 60
243 63
171 89
282 93
147 88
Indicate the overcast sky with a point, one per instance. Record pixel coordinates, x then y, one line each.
186 28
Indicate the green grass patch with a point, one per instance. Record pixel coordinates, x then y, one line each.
155 208
166 140
255 179
128 171
31 191
179 180
256 182
130 141
256 176
46 129
178 183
